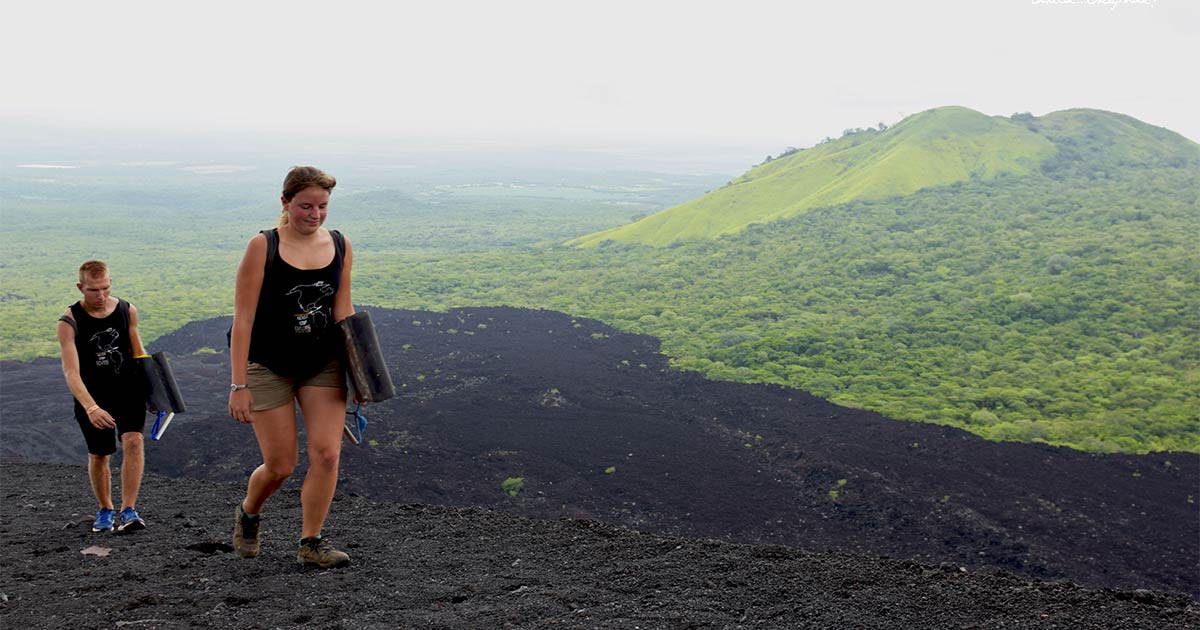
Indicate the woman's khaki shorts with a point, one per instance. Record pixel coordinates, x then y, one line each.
270 390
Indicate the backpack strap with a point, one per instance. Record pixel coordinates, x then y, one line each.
339 244
71 322
272 236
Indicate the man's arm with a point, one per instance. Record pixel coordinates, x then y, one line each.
135 339
70 362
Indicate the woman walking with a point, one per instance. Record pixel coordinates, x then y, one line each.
293 286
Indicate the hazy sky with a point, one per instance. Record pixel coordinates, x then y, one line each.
747 72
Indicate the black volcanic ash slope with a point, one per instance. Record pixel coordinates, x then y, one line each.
437 567
596 425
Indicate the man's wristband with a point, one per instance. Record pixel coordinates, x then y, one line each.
91 409
234 387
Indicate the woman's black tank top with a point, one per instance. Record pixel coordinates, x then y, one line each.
294 334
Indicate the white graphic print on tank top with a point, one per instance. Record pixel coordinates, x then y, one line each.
106 349
310 298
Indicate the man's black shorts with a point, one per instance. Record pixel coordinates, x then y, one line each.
104 441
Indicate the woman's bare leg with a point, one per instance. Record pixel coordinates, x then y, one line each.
324 410
275 430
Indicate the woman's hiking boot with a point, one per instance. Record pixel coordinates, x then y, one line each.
245 533
316 551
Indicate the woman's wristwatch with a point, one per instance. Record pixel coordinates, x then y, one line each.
233 387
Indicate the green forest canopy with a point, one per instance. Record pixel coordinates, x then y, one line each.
1038 309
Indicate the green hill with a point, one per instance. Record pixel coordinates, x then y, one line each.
1057 303
1053 309
1090 142
934 148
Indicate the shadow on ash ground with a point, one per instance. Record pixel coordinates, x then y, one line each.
440 567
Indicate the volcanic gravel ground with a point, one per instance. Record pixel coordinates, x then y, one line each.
438 567
597 426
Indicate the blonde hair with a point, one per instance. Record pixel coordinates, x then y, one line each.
92 269
299 178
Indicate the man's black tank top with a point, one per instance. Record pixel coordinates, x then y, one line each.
294 334
106 362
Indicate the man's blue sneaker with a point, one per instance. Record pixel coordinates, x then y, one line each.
104 520
130 521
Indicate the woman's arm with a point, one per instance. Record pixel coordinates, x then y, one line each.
343 306
245 304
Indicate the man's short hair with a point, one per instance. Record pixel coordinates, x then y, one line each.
92 269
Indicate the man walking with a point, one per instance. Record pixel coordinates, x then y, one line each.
99 340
